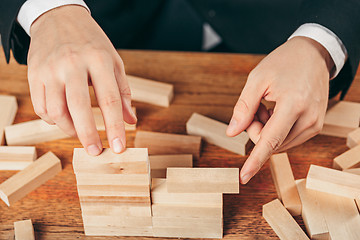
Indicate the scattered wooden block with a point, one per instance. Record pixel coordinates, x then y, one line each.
202 180
353 138
118 231
215 132
281 221
32 132
100 124
353 170
341 119
24 230
349 159
176 232
16 158
311 213
9 108
187 211
167 143
149 91
285 183
27 180
159 163
333 181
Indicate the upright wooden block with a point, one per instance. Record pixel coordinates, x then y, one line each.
341 119
32 132
8 111
215 132
27 180
311 213
100 124
167 143
16 158
285 183
160 163
333 181
353 138
202 180
282 222
24 230
349 159
149 91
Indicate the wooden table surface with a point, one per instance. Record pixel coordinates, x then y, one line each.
208 83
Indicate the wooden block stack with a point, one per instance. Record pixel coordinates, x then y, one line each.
114 192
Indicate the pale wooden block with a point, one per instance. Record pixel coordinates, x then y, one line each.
89 208
333 181
311 213
150 91
159 163
353 138
16 158
353 170
187 222
214 132
198 211
116 221
176 232
168 143
120 200
205 180
160 195
113 190
281 221
100 124
284 182
98 179
348 159
131 161
118 231
341 119
9 108
27 180
24 230
32 132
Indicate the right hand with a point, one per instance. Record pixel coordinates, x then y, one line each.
69 51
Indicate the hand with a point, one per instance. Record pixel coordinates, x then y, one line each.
69 51
296 77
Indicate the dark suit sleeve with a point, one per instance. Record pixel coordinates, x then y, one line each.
342 18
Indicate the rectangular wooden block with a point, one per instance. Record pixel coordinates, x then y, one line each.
27 180
186 211
32 132
24 230
116 221
202 180
353 170
100 124
119 200
159 163
176 232
94 209
118 231
333 181
214 132
16 158
349 159
149 91
187 222
282 222
284 182
167 143
311 213
341 119
353 138
9 108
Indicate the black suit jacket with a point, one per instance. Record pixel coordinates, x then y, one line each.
246 26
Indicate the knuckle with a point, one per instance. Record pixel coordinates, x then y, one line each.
56 113
317 127
272 143
100 55
40 111
241 106
109 101
126 91
115 126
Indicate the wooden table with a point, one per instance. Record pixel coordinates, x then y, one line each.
206 83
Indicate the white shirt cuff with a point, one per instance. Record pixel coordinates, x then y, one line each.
32 9
328 40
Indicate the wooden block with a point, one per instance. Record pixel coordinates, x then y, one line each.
116 221
202 180
311 213
131 161
159 163
118 231
214 132
353 138
353 170
198 211
24 230
16 158
187 222
333 181
349 159
281 221
284 182
89 209
97 179
160 195
176 232
167 143
120 200
149 91
9 108
341 119
32 132
99 120
27 180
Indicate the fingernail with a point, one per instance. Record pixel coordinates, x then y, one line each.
232 126
117 145
245 178
93 150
